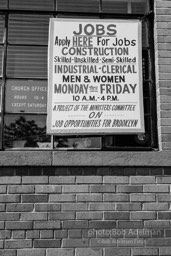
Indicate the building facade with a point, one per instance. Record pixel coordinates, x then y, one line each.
98 195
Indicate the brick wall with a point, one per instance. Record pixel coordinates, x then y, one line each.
86 215
163 70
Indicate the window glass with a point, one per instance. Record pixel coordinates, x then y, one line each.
76 16
114 6
77 143
28 29
0 96
1 63
4 4
144 35
0 132
2 26
25 83
124 6
138 8
26 131
36 5
27 62
26 96
127 142
78 6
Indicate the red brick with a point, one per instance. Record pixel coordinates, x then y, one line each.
21 189
88 252
107 188
143 179
47 207
62 216
165 251
69 224
19 207
48 189
46 234
130 224
144 251
9 198
19 225
46 224
32 234
131 242
31 252
61 233
10 180
142 233
89 179
156 188
164 180
164 215
35 179
158 242
103 233
155 224
117 251
8 252
129 189
2 207
101 206
75 189
116 197
89 197
168 233
60 252
123 233
34 198
61 179
3 189
18 234
75 207
116 215
34 216
143 215
75 233
9 216
128 206
2 224
115 179
5 234
1 244
163 4
89 215
87 233
155 206
164 197
72 243
143 197
17 244
47 243
102 224
103 242
62 198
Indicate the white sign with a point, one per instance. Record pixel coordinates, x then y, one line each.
95 77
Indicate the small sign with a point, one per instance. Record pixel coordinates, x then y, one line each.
26 96
95 77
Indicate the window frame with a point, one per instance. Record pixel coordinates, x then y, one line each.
149 18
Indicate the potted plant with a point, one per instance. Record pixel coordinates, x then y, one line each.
24 133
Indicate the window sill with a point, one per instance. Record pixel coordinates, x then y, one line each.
84 158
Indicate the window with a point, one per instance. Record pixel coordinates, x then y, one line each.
23 73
